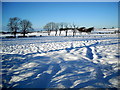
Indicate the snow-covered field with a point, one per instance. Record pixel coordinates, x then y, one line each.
85 61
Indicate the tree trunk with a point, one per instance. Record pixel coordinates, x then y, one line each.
60 33
73 33
66 32
56 33
24 33
48 32
15 33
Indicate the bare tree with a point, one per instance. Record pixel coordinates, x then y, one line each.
56 28
46 27
66 29
51 26
61 27
26 26
74 29
13 25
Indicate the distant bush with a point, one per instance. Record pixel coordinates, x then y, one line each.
21 36
32 36
104 28
9 37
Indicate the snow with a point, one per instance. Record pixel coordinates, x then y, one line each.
84 61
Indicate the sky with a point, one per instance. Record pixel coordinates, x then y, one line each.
60 0
97 14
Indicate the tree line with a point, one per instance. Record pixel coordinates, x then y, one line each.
25 26
52 26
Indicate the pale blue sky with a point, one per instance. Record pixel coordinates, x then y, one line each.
97 14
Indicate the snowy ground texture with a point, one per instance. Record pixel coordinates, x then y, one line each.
86 61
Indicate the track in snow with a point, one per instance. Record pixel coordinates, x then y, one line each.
68 64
